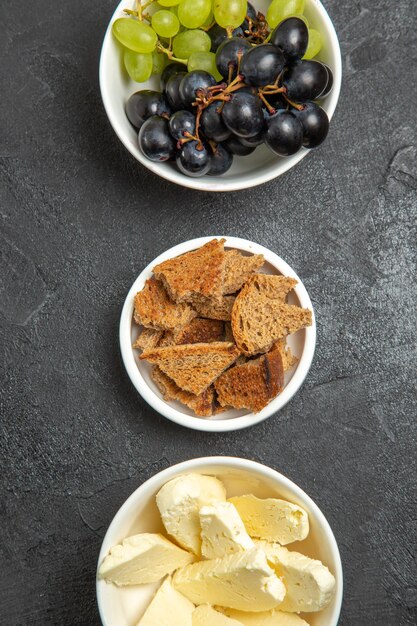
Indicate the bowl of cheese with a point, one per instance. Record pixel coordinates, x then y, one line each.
219 541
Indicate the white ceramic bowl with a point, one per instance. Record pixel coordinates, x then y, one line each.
302 344
125 606
259 167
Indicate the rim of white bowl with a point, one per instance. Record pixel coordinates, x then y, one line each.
160 478
191 421
205 183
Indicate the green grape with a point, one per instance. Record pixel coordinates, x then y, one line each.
169 3
165 24
134 35
315 42
230 12
193 13
280 9
184 44
204 61
138 65
159 61
209 21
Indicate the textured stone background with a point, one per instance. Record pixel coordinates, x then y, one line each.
80 219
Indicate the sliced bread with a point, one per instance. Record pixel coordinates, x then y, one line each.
203 405
148 338
194 275
199 330
154 309
216 309
193 366
238 268
288 359
260 316
252 385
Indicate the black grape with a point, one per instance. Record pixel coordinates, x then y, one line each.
143 104
291 36
243 114
172 91
235 146
180 123
193 159
261 65
228 52
315 124
155 140
221 161
284 134
170 70
219 34
250 13
329 85
306 80
191 82
212 123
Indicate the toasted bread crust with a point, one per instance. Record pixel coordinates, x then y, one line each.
194 275
260 316
216 309
148 338
203 405
252 385
288 358
238 268
199 330
154 309
193 367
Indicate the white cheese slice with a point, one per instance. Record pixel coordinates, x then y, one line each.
268 618
179 502
241 581
141 559
310 586
168 608
205 615
222 531
272 519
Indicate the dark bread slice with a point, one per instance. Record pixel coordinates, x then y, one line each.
252 385
199 330
154 309
149 338
260 316
193 367
238 268
216 309
194 275
203 405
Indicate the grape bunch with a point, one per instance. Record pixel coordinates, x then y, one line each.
231 79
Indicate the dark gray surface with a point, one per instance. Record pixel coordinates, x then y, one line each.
80 219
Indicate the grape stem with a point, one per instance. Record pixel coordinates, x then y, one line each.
139 10
270 108
170 54
299 107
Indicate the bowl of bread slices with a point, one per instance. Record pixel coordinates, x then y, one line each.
219 541
217 333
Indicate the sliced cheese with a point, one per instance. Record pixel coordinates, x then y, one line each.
241 581
205 615
222 531
272 519
179 502
267 618
310 586
168 608
143 558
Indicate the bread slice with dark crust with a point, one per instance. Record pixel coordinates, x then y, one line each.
148 338
260 316
193 367
216 309
238 268
194 275
204 405
199 330
252 385
154 309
